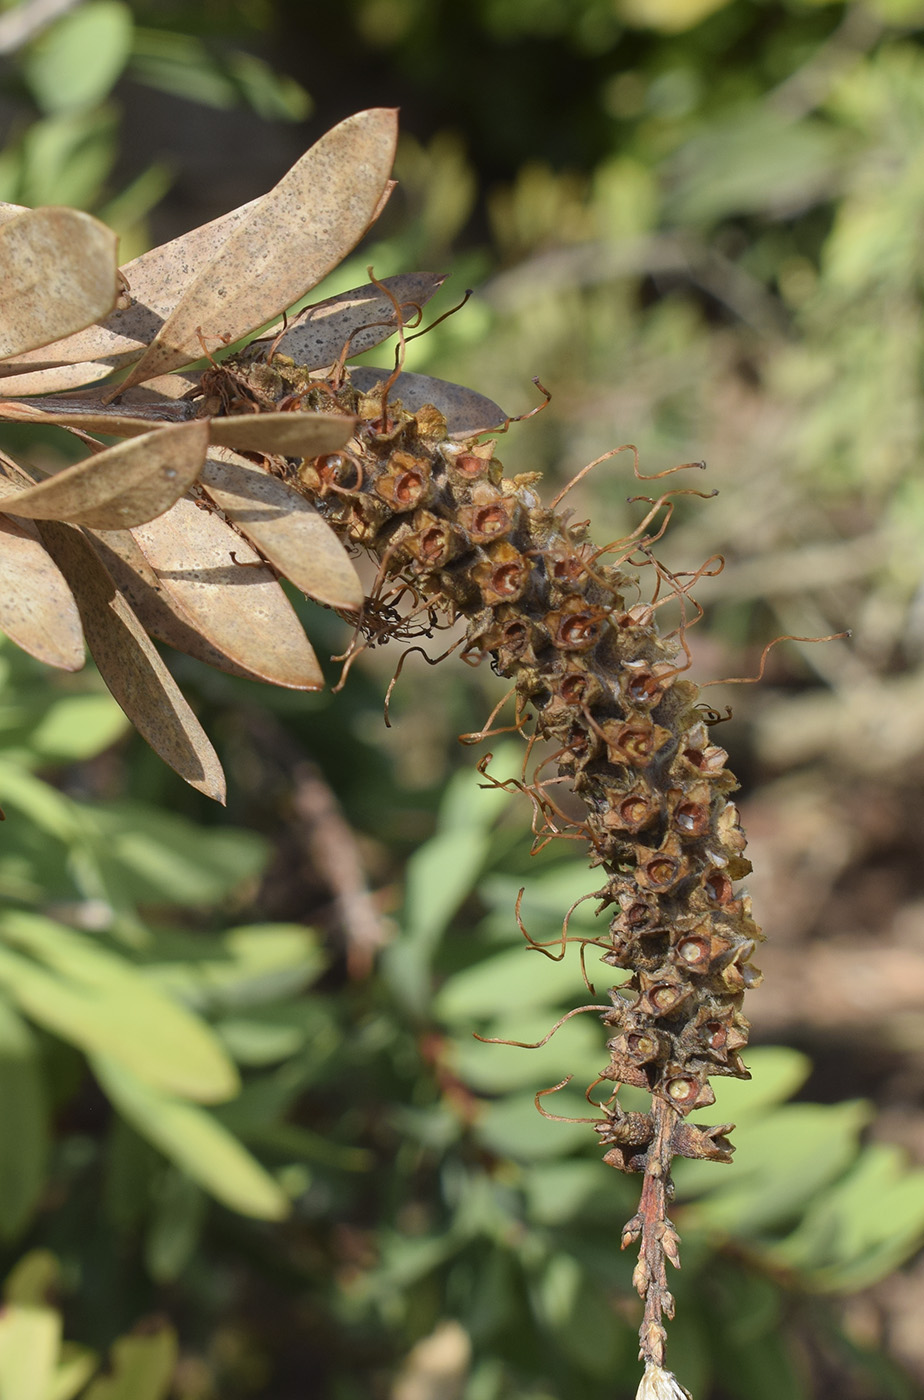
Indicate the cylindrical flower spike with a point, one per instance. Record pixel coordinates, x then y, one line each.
630 734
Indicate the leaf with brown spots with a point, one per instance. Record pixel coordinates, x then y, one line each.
465 411
58 274
125 485
37 609
286 529
130 665
233 599
353 321
293 237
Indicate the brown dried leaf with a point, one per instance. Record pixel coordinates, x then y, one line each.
286 529
158 610
58 274
125 485
37 609
117 420
288 434
156 282
360 319
296 234
232 598
130 666
466 412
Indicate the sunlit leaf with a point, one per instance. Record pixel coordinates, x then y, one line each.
30 1337
142 1368
294 236
37 609
57 270
233 598
122 486
156 281
130 665
465 411
286 528
195 1140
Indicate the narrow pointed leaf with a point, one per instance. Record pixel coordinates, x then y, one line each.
198 1144
233 599
288 434
465 411
286 528
123 486
156 281
295 235
130 665
58 274
116 420
98 999
353 321
25 1113
158 609
37 609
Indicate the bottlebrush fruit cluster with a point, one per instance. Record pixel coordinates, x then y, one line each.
631 736
273 461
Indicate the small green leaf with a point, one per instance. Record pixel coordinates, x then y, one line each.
77 60
196 1142
30 1337
76 727
142 1368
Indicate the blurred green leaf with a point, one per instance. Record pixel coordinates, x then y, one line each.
99 1001
77 727
24 1141
196 1142
142 1368
76 61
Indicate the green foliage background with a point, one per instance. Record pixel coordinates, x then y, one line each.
228 1151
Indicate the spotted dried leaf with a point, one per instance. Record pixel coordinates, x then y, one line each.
286 529
288 434
157 608
156 280
123 486
465 411
37 609
352 321
233 598
130 665
294 236
58 273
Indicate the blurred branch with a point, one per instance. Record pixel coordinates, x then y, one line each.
335 856
590 264
18 26
806 89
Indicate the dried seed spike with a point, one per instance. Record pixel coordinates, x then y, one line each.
292 238
58 273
